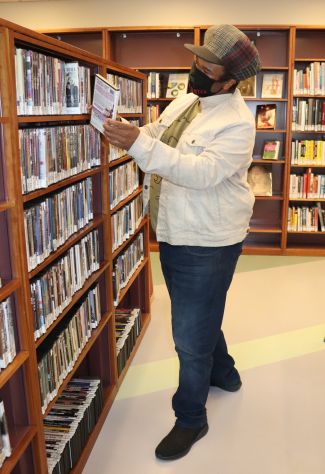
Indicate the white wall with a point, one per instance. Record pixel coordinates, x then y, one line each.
88 13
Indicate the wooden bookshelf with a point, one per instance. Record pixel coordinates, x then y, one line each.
19 381
307 47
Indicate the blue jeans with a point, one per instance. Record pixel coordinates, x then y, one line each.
197 280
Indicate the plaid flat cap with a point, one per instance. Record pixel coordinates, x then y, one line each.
228 46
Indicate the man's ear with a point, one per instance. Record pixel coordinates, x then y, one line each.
228 84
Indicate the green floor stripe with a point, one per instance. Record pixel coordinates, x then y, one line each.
163 374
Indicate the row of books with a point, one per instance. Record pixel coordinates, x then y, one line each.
308 152
63 347
125 221
127 329
126 264
123 181
47 85
70 422
153 112
310 80
130 94
115 153
306 219
308 114
50 222
307 186
153 85
53 291
5 445
48 155
7 333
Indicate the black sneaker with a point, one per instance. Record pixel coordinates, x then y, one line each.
228 387
179 441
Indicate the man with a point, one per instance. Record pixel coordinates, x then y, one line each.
201 148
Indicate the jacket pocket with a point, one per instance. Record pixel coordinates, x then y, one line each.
193 143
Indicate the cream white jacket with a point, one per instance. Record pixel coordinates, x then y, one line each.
205 199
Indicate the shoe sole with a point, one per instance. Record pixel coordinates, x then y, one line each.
229 388
200 435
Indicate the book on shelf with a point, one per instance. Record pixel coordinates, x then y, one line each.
50 222
7 333
69 423
272 85
59 352
321 215
310 79
125 221
105 102
123 181
71 71
308 152
176 85
5 446
126 264
308 114
260 180
130 94
265 116
247 87
153 85
51 154
307 186
153 112
303 219
53 290
127 329
271 150
48 85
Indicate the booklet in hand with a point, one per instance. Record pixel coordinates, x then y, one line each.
105 102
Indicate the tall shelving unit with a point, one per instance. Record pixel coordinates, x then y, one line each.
19 382
307 47
282 47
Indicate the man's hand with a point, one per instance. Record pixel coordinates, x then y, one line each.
120 134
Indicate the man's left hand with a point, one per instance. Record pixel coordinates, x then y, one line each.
120 134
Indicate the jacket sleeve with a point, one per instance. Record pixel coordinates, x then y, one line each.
229 152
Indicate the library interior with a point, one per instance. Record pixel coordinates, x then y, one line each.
162 191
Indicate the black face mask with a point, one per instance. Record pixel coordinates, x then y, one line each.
199 83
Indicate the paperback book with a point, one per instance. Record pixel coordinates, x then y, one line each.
272 85
247 87
271 150
105 102
265 116
260 180
177 85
